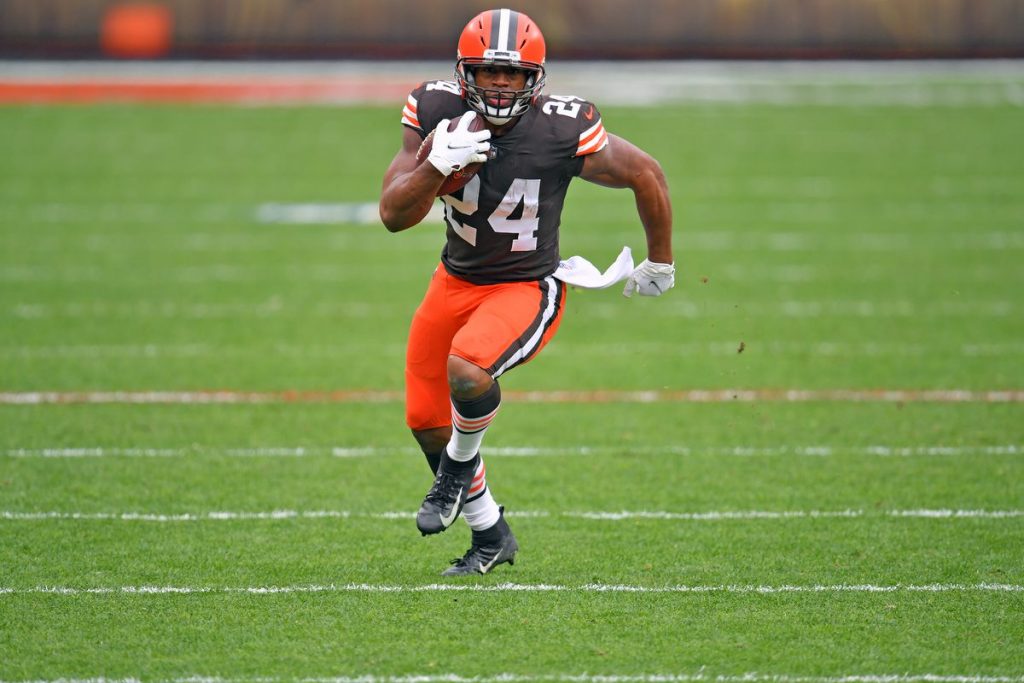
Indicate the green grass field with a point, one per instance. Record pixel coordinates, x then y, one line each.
875 248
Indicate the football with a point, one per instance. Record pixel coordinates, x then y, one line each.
458 178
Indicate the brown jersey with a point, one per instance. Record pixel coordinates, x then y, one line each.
503 225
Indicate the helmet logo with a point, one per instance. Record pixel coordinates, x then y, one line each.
502 55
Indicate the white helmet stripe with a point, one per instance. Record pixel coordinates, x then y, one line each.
503 26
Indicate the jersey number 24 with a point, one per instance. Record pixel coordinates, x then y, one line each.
525 190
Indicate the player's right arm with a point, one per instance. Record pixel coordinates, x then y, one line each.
409 187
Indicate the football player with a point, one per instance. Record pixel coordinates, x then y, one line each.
493 302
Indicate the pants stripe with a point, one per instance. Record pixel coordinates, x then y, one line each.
522 349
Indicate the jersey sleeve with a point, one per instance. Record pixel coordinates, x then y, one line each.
592 137
410 112
429 103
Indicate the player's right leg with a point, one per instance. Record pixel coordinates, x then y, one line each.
428 404
432 442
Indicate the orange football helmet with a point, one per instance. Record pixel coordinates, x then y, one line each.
501 37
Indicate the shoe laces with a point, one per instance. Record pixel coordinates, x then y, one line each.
446 487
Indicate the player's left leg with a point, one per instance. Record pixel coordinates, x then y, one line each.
508 328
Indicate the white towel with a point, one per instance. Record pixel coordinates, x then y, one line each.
579 272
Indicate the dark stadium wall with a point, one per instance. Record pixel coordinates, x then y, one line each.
584 29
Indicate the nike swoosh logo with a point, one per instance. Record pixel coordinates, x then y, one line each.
484 568
447 521
589 114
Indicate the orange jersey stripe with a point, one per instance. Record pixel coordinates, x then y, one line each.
590 133
409 116
411 120
595 145
592 139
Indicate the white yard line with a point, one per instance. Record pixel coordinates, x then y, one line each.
580 396
567 678
523 588
956 514
742 451
598 515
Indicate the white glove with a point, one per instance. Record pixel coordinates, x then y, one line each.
453 151
651 279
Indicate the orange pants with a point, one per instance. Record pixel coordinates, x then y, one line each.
495 327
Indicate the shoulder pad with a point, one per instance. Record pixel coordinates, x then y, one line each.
430 102
580 120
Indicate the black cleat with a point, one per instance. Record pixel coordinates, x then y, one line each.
490 548
445 499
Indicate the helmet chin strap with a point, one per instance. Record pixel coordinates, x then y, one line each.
498 120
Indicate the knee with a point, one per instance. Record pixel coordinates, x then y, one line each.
465 379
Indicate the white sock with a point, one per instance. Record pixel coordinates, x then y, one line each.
468 431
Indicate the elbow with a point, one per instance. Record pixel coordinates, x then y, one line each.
391 219
648 177
660 173
655 173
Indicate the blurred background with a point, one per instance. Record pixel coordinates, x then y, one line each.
575 29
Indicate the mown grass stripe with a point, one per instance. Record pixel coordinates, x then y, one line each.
166 309
673 678
824 348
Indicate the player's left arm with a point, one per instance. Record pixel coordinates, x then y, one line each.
622 164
